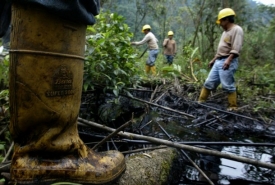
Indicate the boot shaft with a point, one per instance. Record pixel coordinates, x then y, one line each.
153 69
46 75
204 95
46 71
232 101
147 69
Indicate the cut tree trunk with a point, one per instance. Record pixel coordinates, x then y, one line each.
155 167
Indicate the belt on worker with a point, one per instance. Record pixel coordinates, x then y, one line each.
223 57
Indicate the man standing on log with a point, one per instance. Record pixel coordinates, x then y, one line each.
152 43
46 75
225 63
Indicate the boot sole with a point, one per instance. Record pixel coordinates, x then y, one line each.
39 178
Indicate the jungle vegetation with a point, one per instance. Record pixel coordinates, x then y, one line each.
113 64
197 36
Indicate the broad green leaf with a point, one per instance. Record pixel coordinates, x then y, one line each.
2 147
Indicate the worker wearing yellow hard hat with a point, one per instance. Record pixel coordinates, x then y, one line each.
152 42
170 33
225 63
225 13
146 27
169 47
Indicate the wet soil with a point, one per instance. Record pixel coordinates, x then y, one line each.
174 108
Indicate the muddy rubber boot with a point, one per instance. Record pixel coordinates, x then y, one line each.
46 76
232 101
147 69
203 95
153 70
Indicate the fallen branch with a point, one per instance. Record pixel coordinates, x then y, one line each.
8 153
157 99
201 143
187 77
228 112
113 133
191 61
156 105
181 146
144 149
3 130
153 94
142 90
189 159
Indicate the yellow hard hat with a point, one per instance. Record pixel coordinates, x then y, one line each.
225 13
145 27
170 33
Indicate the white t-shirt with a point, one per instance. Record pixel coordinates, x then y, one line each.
150 39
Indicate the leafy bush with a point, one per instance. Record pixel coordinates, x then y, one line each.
110 60
4 70
257 86
4 92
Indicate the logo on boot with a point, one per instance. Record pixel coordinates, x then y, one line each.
62 83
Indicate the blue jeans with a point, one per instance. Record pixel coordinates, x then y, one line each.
226 77
169 59
153 53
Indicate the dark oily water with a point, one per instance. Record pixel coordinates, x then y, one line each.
220 170
210 124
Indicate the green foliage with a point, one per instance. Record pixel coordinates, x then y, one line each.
256 86
2 150
110 59
4 95
4 105
4 98
173 70
109 112
4 92
4 70
192 59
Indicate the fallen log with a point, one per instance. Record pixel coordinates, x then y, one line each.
181 146
155 167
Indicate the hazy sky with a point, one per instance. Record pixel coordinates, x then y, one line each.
266 2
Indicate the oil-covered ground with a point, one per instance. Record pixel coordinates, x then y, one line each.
172 113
